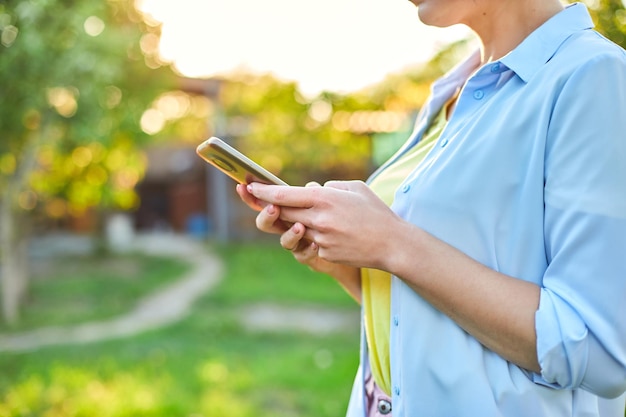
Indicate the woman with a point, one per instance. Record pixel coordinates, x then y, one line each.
490 252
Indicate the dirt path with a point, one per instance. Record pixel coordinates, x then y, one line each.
320 321
160 308
173 303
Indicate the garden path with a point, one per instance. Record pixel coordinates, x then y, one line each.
162 307
173 302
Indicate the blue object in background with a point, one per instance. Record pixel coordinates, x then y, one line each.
198 226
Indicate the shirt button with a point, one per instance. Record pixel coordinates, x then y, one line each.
444 142
395 320
406 188
479 94
384 407
495 67
396 390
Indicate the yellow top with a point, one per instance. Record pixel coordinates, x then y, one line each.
376 284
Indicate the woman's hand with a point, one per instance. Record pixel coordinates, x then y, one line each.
292 234
345 219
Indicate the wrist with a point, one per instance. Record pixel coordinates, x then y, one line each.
349 278
405 254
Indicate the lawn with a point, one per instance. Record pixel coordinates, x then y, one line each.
206 365
69 290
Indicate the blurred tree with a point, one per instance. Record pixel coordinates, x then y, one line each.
75 84
292 135
328 136
610 18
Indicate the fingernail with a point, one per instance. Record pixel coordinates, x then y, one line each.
271 209
249 188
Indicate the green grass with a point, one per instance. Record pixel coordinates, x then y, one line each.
205 365
269 273
72 290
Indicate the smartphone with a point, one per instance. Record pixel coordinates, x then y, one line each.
235 164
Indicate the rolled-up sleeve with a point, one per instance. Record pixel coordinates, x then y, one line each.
581 320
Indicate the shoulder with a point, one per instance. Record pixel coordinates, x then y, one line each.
583 62
588 48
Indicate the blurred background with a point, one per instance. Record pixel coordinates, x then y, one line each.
133 280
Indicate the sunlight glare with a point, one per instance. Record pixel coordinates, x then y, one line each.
334 45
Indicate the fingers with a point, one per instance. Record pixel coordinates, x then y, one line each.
268 220
290 196
303 250
249 199
306 253
281 195
292 238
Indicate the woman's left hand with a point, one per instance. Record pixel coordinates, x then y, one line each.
347 221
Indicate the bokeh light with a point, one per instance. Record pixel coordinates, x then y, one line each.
94 26
63 100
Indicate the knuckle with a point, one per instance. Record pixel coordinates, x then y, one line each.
314 193
322 223
325 255
279 195
359 183
322 240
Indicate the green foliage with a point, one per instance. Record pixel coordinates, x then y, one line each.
74 86
194 368
330 136
610 18
292 135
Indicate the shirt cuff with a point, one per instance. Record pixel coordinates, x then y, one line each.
562 343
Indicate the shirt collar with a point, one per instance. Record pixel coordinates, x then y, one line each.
534 51
446 86
539 47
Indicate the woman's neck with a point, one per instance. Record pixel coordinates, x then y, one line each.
505 25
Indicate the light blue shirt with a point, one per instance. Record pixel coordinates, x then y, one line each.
528 178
